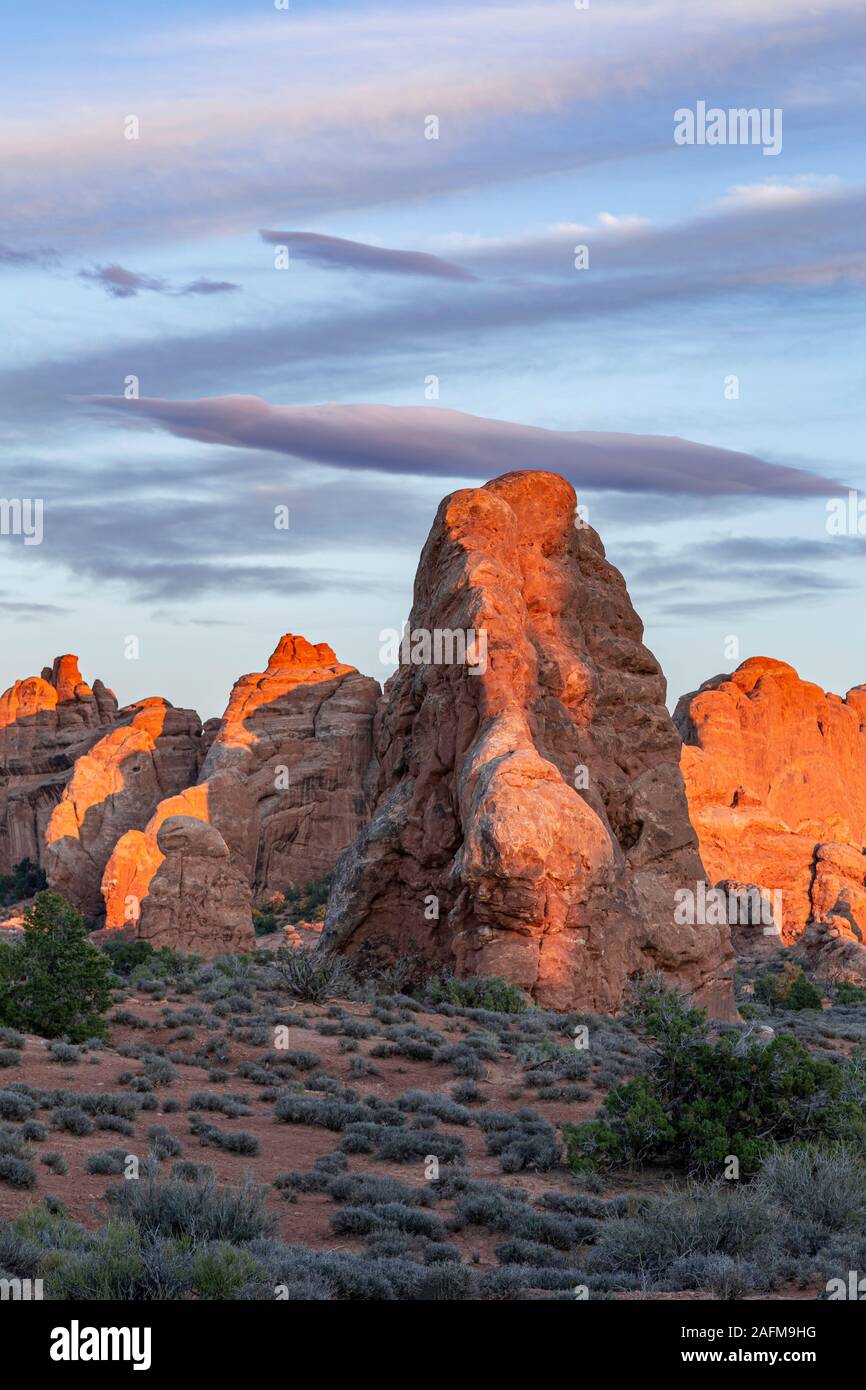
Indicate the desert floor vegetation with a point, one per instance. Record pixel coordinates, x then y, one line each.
279 1125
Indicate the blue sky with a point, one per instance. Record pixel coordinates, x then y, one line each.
411 258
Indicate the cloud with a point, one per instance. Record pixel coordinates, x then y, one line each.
121 283
526 285
21 611
556 90
175 526
337 253
208 287
748 236
737 576
9 256
734 606
423 441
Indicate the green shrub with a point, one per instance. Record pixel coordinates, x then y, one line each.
73 1119
477 992
675 1241
788 988
307 904
198 1210
264 921
125 955
54 982
163 1143
25 879
850 994
703 1101
118 1263
311 975
221 1270
110 1161
233 1141
17 1170
15 1106
825 1186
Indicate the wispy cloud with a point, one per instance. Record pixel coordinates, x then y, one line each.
739 576
9 256
338 253
208 287
433 442
121 283
597 85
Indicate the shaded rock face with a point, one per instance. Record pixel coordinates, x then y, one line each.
775 772
46 723
530 819
137 857
198 899
282 787
151 753
299 738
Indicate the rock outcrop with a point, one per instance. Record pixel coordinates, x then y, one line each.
151 753
530 819
197 896
298 737
281 788
775 772
47 722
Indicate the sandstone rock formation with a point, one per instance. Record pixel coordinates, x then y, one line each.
46 723
198 900
775 772
151 753
530 819
281 789
298 737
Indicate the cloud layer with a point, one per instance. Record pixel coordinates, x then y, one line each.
338 253
434 442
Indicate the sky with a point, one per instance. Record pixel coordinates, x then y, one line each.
327 263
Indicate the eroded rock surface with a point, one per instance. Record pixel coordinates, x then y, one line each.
46 723
775 771
282 786
152 753
530 819
198 898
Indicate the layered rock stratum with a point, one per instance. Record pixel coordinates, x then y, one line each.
775 772
529 816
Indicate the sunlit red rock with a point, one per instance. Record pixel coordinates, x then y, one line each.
775 771
46 723
299 737
152 752
198 899
530 819
282 784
